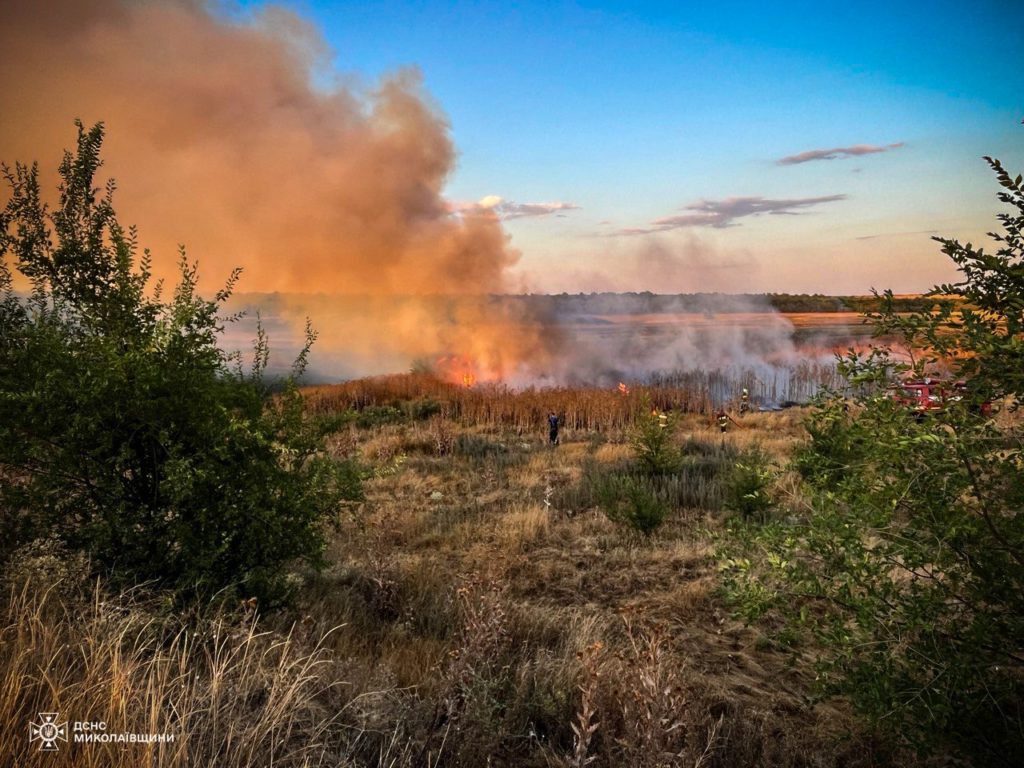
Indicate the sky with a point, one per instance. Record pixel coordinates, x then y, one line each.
425 147
636 116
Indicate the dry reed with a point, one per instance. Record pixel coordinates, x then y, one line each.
225 692
580 408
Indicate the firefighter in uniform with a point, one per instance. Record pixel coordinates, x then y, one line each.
745 402
723 420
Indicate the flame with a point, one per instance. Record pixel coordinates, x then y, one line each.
623 389
457 369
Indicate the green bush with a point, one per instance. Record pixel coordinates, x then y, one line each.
631 500
747 489
378 416
652 440
906 566
423 409
834 449
125 431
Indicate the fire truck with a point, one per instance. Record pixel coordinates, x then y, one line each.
929 395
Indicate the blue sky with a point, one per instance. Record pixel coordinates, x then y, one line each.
644 113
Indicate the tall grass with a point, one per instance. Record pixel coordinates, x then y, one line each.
230 694
695 484
581 408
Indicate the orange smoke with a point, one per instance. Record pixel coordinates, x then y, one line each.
218 139
491 339
456 369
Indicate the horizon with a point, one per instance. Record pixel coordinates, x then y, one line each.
868 295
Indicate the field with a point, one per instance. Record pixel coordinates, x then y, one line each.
478 609
592 340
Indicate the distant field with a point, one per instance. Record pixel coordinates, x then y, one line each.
820 329
591 340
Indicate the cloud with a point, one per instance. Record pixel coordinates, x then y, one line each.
723 213
512 210
898 234
837 152
509 209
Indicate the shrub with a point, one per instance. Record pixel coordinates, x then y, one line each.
747 488
908 565
378 416
632 501
652 440
423 408
125 431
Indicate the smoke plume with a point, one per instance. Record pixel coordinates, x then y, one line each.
233 138
220 140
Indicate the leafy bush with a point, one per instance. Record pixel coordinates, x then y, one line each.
125 431
423 408
652 440
378 416
632 501
834 449
908 565
748 487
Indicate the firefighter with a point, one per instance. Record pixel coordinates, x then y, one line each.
723 420
553 428
745 402
662 419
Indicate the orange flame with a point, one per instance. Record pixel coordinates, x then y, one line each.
623 389
457 369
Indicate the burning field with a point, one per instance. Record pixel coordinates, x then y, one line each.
333 200
695 354
485 523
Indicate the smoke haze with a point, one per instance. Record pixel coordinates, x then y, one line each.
332 196
219 139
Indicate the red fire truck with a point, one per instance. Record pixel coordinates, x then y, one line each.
924 395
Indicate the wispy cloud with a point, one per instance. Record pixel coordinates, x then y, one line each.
898 234
724 213
510 209
837 152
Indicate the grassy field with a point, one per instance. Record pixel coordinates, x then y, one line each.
478 609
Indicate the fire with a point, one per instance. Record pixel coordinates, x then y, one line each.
457 369
623 389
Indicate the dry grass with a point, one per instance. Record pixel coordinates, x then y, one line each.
549 580
581 408
229 693
479 611
523 527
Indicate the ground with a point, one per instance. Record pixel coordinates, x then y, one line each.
469 511
478 609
